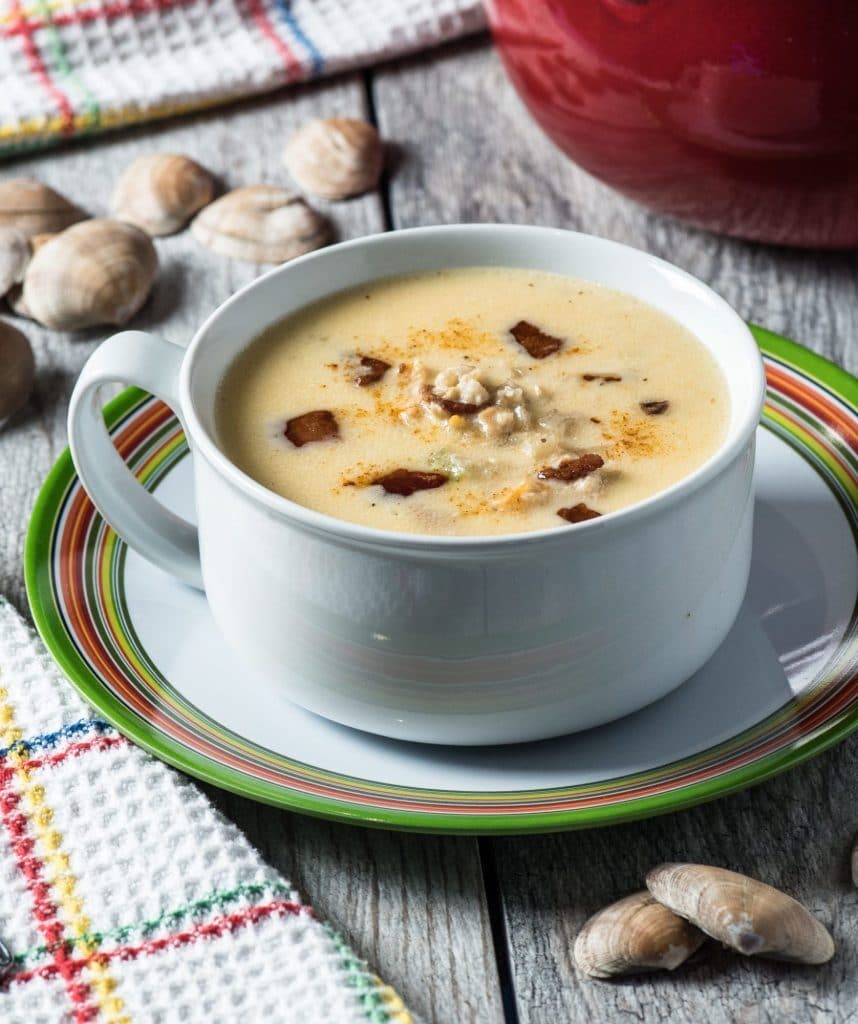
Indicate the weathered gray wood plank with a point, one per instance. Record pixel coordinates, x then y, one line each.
413 907
478 157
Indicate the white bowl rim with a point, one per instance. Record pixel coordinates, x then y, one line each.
367 536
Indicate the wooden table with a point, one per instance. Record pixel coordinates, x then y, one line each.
481 929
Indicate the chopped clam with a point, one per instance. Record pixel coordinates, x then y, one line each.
509 396
526 495
461 386
496 422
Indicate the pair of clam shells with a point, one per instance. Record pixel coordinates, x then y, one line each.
95 272
258 223
64 270
28 209
334 158
684 903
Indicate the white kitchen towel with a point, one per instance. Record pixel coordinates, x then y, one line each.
73 67
125 897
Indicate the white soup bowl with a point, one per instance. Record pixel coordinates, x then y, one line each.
455 640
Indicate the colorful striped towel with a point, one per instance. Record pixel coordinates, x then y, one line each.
70 67
124 897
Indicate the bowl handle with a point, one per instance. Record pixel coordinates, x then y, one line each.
162 537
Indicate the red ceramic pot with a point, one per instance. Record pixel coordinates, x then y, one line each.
737 115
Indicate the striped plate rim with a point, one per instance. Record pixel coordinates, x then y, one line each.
74 567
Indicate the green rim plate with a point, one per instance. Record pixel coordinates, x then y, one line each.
74 567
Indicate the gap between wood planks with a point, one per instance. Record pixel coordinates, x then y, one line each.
384 184
497 921
488 867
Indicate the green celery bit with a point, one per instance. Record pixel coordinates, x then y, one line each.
444 461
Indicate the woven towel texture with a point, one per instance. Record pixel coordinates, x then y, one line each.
71 67
125 897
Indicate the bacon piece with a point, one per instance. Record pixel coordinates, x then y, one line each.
602 378
537 343
458 408
318 425
655 408
407 481
453 407
373 370
579 513
572 469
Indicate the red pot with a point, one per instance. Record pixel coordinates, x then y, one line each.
737 115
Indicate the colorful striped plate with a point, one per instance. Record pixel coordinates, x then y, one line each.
143 649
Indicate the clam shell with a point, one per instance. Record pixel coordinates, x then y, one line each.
17 370
635 934
32 207
748 916
96 272
160 193
335 157
261 224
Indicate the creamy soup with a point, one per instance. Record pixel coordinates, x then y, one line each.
473 401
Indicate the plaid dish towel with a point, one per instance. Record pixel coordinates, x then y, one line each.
125 897
72 67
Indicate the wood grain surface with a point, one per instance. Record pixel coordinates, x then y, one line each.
448 920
